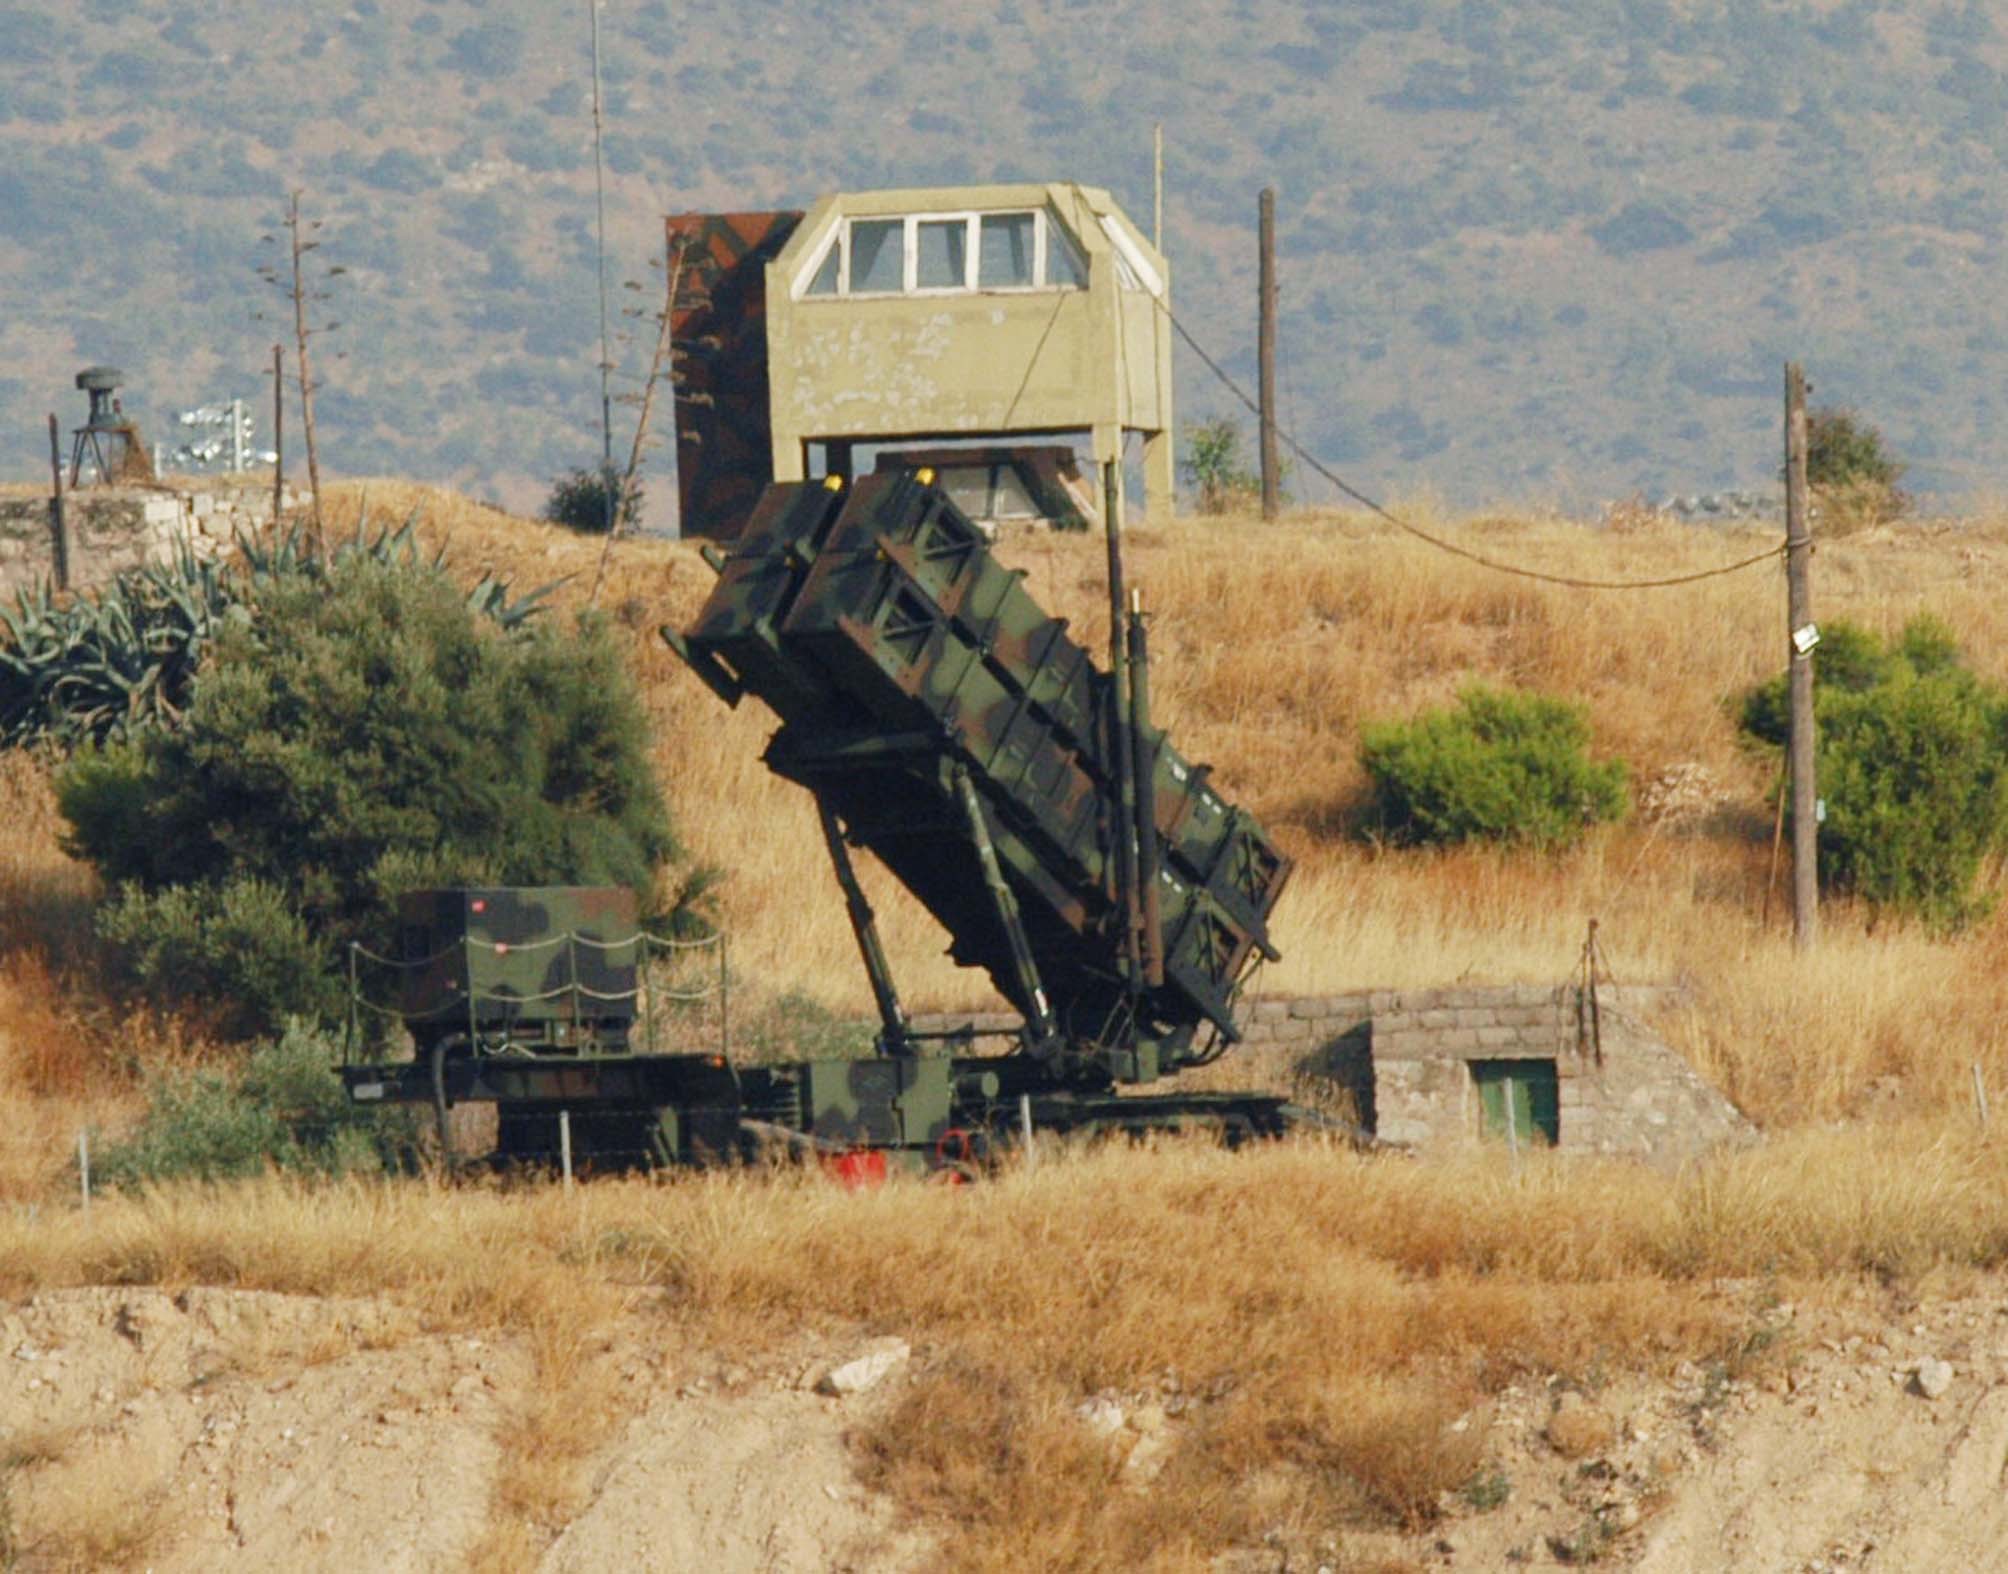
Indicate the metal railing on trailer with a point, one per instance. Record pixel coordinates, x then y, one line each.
647 994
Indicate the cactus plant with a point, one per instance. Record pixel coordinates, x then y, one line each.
124 657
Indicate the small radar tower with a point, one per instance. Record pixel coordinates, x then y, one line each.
108 438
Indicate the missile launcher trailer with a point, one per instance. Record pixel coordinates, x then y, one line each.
947 724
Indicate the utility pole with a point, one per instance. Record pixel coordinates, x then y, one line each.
1157 187
1121 747
278 435
59 524
306 378
1265 345
288 275
600 231
1803 637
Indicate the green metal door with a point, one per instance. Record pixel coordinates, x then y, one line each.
1517 1100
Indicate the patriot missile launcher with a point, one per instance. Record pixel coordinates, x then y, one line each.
950 727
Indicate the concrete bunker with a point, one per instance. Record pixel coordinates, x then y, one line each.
1439 1070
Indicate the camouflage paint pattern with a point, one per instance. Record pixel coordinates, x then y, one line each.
551 966
718 329
895 648
534 1046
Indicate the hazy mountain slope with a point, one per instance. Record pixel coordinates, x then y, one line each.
1547 247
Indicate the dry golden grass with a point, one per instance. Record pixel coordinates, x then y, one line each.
77 1524
575 1405
81 1528
1325 1316
1339 1311
1276 642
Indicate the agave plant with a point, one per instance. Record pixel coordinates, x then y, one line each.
119 659
292 552
124 658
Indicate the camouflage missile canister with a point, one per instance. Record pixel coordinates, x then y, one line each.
549 967
902 657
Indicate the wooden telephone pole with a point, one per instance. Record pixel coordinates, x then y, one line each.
1272 466
59 524
1157 187
278 438
1803 636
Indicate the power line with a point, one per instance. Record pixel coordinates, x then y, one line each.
600 231
1438 542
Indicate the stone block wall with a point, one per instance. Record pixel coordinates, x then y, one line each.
1401 1059
113 528
1621 1088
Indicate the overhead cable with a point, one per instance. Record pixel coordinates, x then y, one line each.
1373 507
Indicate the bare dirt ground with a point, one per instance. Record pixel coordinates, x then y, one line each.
1818 1451
227 1429
224 1429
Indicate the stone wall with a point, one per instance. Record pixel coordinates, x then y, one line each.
1402 1060
1621 1088
112 528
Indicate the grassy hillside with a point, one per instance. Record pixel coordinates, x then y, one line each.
1552 249
1275 644
1326 1326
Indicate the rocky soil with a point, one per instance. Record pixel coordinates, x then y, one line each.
220 1429
216 1429
1868 1436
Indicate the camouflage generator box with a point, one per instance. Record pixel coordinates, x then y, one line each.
547 965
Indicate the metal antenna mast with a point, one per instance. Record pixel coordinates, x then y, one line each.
606 365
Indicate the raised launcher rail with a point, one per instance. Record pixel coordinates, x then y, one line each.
948 724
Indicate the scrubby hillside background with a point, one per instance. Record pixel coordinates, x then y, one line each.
1551 247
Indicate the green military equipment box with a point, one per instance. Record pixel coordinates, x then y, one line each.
902 658
544 966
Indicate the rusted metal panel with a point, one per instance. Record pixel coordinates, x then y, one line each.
718 326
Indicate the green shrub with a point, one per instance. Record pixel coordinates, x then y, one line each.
1852 472
240 947
584 500
1850 660
284 1110
1216 466
1911 760
1842 448
1502 766
1911 773
368 732
123 658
